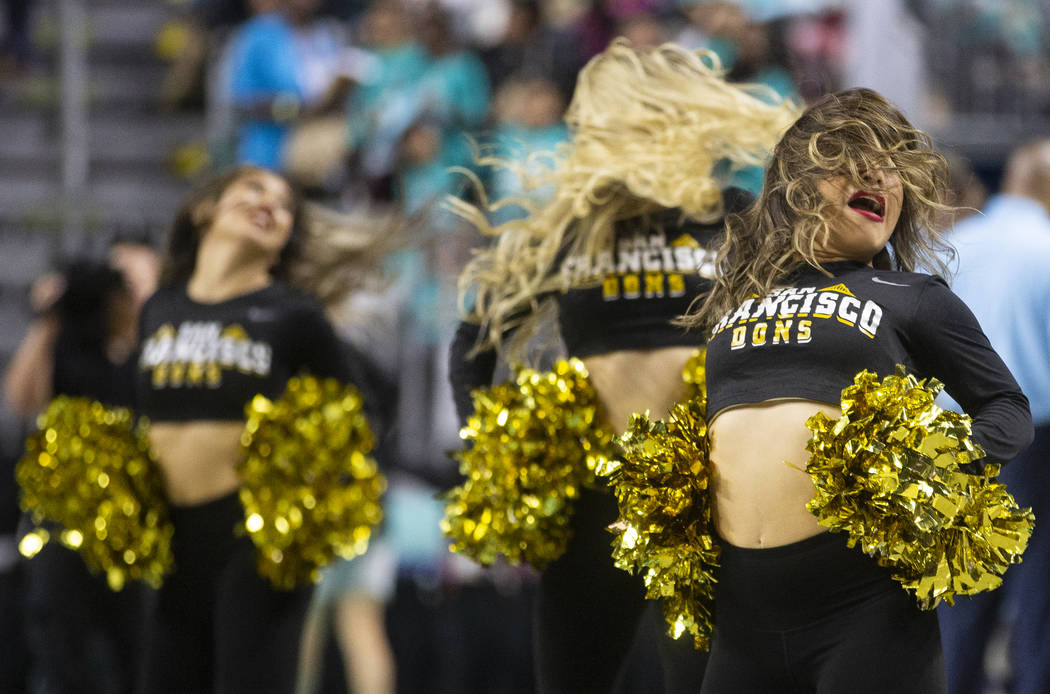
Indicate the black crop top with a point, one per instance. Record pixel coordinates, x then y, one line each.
809 339
206 361
659 265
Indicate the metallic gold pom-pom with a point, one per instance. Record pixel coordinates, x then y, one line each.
311 490
534 443
665 527
887 474
694 374
89 469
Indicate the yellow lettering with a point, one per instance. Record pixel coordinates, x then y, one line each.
632 287
160 376
195 374
758 336
804 331
611 287
214 375
654 285
739 335
676 285
178 374
782 332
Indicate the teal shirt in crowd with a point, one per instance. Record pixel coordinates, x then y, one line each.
263 64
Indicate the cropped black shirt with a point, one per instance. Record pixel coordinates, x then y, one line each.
627 300
809 339
206 361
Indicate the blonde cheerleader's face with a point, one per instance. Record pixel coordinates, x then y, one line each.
861 218
257 209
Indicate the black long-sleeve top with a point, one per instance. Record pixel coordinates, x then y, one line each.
206 361
626 300
809 339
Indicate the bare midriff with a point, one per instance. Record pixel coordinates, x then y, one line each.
197 459
759 484
630 381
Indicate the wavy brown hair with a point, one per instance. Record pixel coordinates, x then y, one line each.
328 254
849 134
649 129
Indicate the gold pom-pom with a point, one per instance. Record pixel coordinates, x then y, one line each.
89 469
311 490
535 443
665 527
887 474
694 374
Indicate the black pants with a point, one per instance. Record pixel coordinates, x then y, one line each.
13 662
587 613
216 625
83 637
815 617
969 625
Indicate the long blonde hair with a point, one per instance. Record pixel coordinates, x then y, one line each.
648 129
847 133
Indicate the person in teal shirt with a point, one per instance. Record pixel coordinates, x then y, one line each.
281 65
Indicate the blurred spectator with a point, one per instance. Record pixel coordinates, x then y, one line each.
455 88
284 65
749 50
386 104
452 102
967 194
607 19
351 600
818 51
15 49
973 44
82 636
455 628
643 30
350 603
531 48
86 329
710 25
897 69
529 128
1002 275
756 60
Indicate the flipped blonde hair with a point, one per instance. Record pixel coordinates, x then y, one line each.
647 131
848 134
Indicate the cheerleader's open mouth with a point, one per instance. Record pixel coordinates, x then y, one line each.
868 204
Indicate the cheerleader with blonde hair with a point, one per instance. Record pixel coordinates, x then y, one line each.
619 250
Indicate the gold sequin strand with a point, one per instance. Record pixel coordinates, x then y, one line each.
311 490
89 469
887 474
665 527
532 445
694 374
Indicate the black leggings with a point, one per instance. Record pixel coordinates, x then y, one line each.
82 636
587 613
815 617
216 625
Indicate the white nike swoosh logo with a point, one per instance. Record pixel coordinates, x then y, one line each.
892 284
261 314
